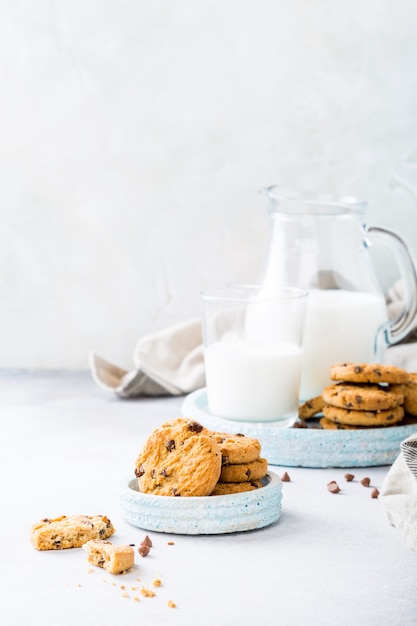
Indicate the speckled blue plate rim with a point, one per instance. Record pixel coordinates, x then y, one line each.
306 447
205 515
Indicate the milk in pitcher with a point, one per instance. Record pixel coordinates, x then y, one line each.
339 326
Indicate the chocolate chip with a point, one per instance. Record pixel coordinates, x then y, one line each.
374 493
153 473
195 427
366 482
248 473
349 477
146 542
225 460
358 369
300 424
144 550
163 472
358 399
170 445
240 435
285 478
333 487
139 472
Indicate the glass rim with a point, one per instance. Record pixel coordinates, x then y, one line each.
309 202
252 293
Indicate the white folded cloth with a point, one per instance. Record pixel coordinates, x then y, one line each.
169 362
398 494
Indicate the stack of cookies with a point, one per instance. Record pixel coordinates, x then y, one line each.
183 458
364 396
242 466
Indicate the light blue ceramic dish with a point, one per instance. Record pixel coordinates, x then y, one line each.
208 515
306 447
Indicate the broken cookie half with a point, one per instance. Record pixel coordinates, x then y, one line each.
113 558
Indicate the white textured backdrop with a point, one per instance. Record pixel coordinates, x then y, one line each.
135 135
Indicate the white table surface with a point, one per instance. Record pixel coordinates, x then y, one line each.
67 447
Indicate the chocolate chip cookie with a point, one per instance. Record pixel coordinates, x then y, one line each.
72 531
410 394
363 397
181 458
327 424
353 417
240 472
310 408
237 448
224 489
368 373
115 559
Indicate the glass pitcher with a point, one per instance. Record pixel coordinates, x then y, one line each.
321 243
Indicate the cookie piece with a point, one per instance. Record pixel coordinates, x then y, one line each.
237 448
225 489
363 418
241 472
113 558
181 458
365 397
410 394
72 531
327 424
368 373
310 408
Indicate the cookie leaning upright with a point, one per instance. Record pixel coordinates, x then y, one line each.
181 458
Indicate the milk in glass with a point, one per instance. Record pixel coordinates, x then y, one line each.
250 380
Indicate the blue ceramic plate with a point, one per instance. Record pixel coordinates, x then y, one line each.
207 515
307 447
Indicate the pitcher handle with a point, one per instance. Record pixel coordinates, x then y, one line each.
401 326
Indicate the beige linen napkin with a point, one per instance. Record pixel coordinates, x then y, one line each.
169 362
398 494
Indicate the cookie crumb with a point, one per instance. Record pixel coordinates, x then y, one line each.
349 477
125 594
285 478
171 604
157 582
374 493
136 598
147 593
171 543
366 482
333 487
